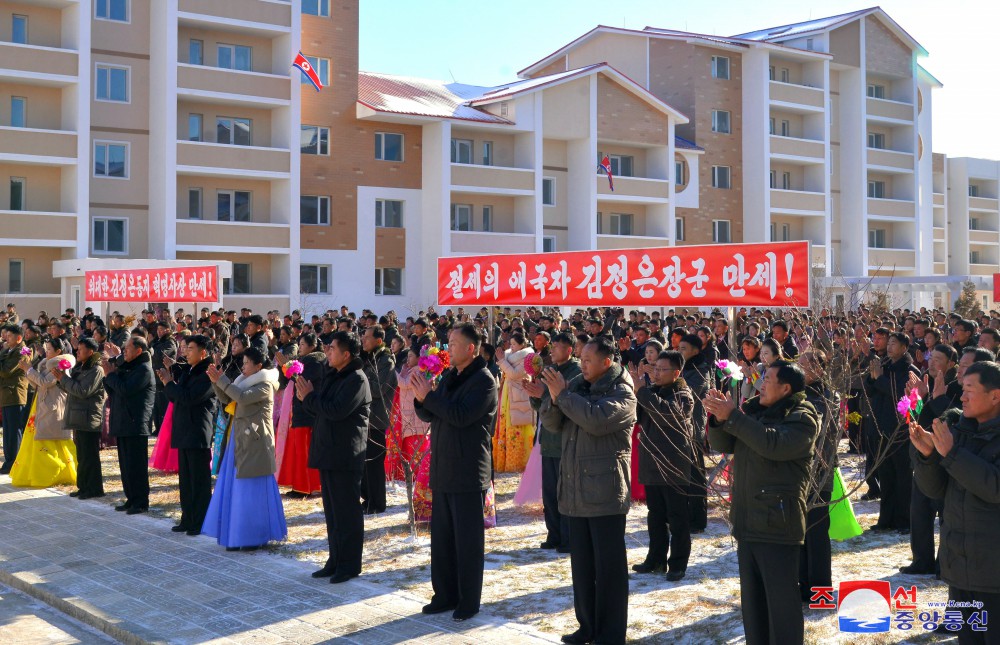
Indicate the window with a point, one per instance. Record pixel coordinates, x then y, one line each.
679 173
973 223
679 229
461 217
316 8
720 121
786 181
315 140
809 44
720 67
876 91
19 30
234 57
785 75
503 109
388 146
770 125
240 282
876 238
774 232
620 224
388 282
600 224
720 231
876 140
194 203
196 52
621 165
548 191
233 205
973 190
314 209
488 219
18 112
195 127
111 83
876 189
15 276
18 197
322 67
549 244
116 10
780 232
314 278
111 160
772 179
974 257
770 73
461 151
233 131
786 128
487 153
110 235
720 177
388 213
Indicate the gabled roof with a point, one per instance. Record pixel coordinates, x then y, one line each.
680 143
422 97
930 77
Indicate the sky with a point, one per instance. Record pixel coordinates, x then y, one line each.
486 43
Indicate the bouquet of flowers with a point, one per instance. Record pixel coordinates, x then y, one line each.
853 418
433 362
729 370
25 351
64 364
910 405
534 364
292 369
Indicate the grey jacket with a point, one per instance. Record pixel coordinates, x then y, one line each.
596 423
84 387
253 424
379 367
50 406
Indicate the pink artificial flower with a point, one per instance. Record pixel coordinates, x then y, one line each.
25 351
293 368
64 364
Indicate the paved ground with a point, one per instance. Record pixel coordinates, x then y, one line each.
133 579
26 621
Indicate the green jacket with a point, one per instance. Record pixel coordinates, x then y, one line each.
13 380
773 449
550 440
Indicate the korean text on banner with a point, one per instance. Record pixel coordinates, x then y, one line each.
741 275
181 284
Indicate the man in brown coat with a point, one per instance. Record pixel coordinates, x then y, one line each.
13 395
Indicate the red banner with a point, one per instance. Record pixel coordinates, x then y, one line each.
180 284
996 287
742 275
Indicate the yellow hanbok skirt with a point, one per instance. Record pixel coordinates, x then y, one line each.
43 463
511 444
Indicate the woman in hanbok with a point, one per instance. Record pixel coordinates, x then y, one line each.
245 512
165 458
644 371
295 470
48 455
415 441
515 431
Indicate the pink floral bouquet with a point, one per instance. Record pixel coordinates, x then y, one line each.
433 362
25 351
911 403
64 364
534 364
292 369
729 370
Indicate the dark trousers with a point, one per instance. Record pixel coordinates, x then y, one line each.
159 407
769 592
600 577
556 523
669 526
815 558
373 483
13 418
990 607
458 543
854 429
195 483
895 476
133 461
870 442
698 490
89 479
922 512
345 520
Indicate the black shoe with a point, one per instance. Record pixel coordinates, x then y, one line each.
575 637
5 470
438 608
905 531
916 571
232 548
249 548
193 532
342 577
548 544
697 531
75 493
135 510
86 496
648 567
180 528
880 528
562 549
674 576
869 497
123 507
463 614
294 494
325 572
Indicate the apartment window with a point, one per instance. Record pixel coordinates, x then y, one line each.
780 232
786 181
18 196
488 219
314 278
720 231
549 244
196 125
876 238
116 10
233 205
720 121
388 282
18 112
235 57
973 223
679 229
388 146
240 282
15 276
319 8
876 140
720 177
388 213
111 160
679 173
503 109
876 91
809 44
196 52
772 179
110 235
620 224
314 140
621 165
974 257
461 151
548 191
233 131
600 223
314 209
322 67
111 83
19 30
786 128
194 204
876 189
461 217
720 67
785 75
770 73
487 153
770 125
973 190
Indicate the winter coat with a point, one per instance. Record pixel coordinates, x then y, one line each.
512 366
194 408
253 425
163 347
695 379
314 366
886 391
551 440
259 340
968 480
461 412
119 336
773 449
827 405
340 404
666 449
596 422
50 410
84 387
380 370
412 425
13 382
132 390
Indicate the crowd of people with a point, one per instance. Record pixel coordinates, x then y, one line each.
618 406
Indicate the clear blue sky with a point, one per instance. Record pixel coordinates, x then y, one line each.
486 43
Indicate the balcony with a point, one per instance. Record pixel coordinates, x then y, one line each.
799 201
889 111
983 237
808 99
982 204
890 161
247 16
42 147
245 237
471 242
36 228
983 269
217 85
612 242
938 199
794 147
222 160
819 255
891 258
38 65
634 190
492 179
894 208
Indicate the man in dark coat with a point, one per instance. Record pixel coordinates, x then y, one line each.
13 395
85 396
131 386
191 434
341 404
379 366
697 375
779 332
163 346
461 410
256 332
